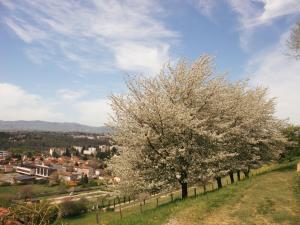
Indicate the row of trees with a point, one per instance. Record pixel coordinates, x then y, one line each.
189 125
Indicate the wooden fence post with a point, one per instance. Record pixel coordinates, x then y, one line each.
141 207
156 202
121 215
172 198
195 192
124 199
97 217
114 203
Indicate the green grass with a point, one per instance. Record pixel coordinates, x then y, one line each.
270 198
8 192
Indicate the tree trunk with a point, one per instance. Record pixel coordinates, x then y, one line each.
184 190
247 173
239 175
231 177
219 181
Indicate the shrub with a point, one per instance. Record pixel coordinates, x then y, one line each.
35 213
73 208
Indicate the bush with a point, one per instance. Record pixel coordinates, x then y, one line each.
34 213
3 184
73 208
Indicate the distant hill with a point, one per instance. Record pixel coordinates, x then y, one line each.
21 125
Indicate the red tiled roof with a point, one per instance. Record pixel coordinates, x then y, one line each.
3 211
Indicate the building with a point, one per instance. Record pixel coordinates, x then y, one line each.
43 171
4 154
35 170
89 171
8 168
59 151
26 169
104 148
78 149
90 151
98 172
67 177
24 179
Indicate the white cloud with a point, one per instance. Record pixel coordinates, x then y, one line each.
277 8
142 58
206 7
252 14
24 30
93 112
280 73
70 95
87 33
16 103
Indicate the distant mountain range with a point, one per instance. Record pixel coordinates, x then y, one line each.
21 125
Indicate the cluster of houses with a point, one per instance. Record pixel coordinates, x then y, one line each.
61 168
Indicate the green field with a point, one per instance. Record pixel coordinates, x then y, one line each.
270 198
8 192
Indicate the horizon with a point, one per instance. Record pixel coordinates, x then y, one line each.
61 60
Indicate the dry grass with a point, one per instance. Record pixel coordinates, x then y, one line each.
268 199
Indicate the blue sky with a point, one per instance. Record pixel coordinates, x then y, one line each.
61 59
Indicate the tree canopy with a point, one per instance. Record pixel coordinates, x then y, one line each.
189 123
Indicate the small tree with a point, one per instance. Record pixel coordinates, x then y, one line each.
84 179
73 208
292 133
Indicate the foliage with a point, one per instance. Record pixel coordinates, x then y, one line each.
73 208
188 123
84 179
21 142
42 213
292 133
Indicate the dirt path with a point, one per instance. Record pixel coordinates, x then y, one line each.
77 196
268 199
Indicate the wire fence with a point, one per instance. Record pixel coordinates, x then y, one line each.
120 203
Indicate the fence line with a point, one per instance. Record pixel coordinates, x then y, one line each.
118 203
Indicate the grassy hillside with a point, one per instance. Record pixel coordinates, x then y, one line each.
269 198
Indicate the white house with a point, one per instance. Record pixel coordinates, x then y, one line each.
104 148
78 149
4 154
90 151
59 151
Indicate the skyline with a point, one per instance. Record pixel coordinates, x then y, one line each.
61 59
